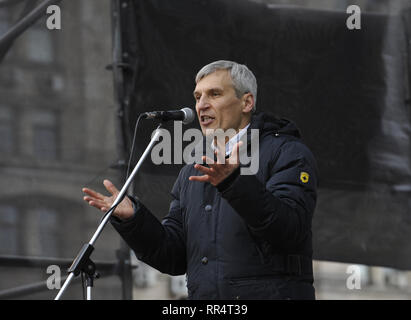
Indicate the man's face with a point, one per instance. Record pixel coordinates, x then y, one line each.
217 105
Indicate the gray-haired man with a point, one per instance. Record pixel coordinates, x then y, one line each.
235 236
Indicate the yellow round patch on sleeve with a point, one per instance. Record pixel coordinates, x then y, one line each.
304 177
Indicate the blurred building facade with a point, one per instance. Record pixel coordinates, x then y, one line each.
58 134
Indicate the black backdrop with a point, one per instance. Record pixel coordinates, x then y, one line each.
347 90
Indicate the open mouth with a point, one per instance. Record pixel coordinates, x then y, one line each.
206 120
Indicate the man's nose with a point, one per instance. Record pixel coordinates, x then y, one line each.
202 104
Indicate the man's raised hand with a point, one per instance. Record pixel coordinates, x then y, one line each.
219 170
123 211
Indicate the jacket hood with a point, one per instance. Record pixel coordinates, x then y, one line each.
268 123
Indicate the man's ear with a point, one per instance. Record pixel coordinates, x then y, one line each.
248 102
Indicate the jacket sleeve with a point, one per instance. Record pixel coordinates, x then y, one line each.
159 244
281 209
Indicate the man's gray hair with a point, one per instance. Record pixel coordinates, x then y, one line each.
243 79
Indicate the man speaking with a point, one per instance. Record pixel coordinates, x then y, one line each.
236 236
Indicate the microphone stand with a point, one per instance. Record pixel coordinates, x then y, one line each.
83 263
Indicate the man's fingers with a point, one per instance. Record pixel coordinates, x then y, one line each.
95 202
110 187
93 193
205 178
203 169
88 199
207 160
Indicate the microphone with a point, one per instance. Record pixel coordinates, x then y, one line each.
186 115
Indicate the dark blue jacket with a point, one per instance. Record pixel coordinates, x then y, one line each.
249 237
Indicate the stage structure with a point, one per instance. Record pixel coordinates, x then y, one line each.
347 90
